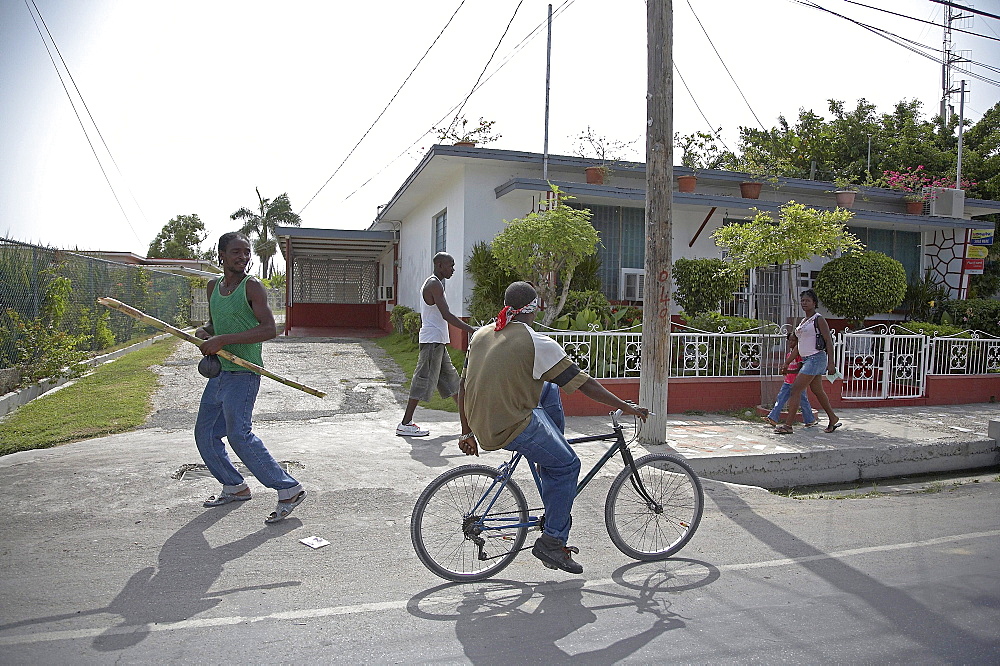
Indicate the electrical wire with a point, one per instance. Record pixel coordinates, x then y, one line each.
698 106
386 108
458 113
914 18
725 67
902 41
510 56
78 118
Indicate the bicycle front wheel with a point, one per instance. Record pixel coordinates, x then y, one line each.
652 514
458 526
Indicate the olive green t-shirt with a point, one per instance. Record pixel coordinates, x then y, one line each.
233 314
504 374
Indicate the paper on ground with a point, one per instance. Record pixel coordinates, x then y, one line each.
314 542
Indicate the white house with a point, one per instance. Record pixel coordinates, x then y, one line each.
459 195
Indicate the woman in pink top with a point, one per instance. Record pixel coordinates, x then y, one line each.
814 340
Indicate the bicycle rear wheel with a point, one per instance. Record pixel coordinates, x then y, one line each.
657 524
447 525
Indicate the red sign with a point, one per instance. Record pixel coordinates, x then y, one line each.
973 266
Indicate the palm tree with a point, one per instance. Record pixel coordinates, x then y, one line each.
261 226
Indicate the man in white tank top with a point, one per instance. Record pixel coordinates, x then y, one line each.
434 366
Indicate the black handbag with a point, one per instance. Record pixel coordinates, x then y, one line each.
820 340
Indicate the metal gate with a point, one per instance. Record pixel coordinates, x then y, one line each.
883 366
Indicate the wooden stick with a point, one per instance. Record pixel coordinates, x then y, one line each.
167 328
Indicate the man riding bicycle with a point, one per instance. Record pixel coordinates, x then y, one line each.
509 398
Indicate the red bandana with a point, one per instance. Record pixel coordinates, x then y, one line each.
508 313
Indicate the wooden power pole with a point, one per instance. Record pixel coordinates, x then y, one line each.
659 204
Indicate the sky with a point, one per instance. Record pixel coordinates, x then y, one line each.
202 101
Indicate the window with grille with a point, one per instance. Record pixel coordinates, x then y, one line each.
322 280
441 232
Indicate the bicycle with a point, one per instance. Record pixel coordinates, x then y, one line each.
471 522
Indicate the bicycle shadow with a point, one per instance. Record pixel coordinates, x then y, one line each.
503 621
178 587
908 616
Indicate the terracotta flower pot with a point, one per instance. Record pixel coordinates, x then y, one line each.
845 198
595 175
750 190
686 183
914 207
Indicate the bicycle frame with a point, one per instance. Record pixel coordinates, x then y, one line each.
488 523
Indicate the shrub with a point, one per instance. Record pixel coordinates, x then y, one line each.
712 322
411 325
978 314
703 283
928 328
397 315
924 297
490 281
861 284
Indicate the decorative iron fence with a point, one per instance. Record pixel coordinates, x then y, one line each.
876 363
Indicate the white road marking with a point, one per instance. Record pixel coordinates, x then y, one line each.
355 609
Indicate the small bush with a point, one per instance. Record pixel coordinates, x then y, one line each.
712 322
702 284
928 328
978 314
412 324
397 316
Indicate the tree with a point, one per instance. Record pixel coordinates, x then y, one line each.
800 233
261 226
546 247
703 283
861 284
180 238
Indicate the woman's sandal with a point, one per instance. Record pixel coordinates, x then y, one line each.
783 429
813 424
225 498
284 509
771 422
832 427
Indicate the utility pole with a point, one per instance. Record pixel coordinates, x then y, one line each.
548 74
659 214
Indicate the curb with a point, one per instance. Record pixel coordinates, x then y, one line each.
783 470
15 399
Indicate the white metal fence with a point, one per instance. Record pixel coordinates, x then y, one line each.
877 363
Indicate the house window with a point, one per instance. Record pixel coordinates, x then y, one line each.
441 232
903 246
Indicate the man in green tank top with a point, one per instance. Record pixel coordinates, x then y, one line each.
239 322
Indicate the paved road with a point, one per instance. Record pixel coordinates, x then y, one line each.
108 556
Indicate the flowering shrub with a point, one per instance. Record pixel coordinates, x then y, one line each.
913 180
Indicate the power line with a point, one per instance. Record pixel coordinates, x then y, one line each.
698 106
914 18
87 109
966 8
896 39
510 56
78 118
487 66
386 108
724 67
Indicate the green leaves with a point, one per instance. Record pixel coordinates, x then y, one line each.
799 233
180 238
703 283
861 284
550 241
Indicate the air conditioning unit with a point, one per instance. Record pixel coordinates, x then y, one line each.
946 202
385 292
633 284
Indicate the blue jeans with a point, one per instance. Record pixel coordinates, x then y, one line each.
226 411
544 445
782 399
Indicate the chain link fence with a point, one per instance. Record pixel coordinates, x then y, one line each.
59 289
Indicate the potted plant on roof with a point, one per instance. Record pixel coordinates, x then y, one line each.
698 152
759 169
597 147
845 189
911 181
459 133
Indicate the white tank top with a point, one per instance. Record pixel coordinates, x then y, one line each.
806 333
433 327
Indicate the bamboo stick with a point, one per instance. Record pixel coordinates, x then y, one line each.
167 328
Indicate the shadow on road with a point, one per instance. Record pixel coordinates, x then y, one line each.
178 587
908 616
501 621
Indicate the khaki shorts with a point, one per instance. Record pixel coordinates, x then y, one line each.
434 368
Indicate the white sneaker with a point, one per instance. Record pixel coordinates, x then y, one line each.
411 430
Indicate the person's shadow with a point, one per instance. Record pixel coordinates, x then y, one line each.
178 587
432 451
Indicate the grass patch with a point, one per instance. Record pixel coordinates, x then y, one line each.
115 397
404 352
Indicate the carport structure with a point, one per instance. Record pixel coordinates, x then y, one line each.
338 281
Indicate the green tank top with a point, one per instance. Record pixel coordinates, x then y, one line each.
233 314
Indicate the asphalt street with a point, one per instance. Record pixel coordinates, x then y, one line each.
108 555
